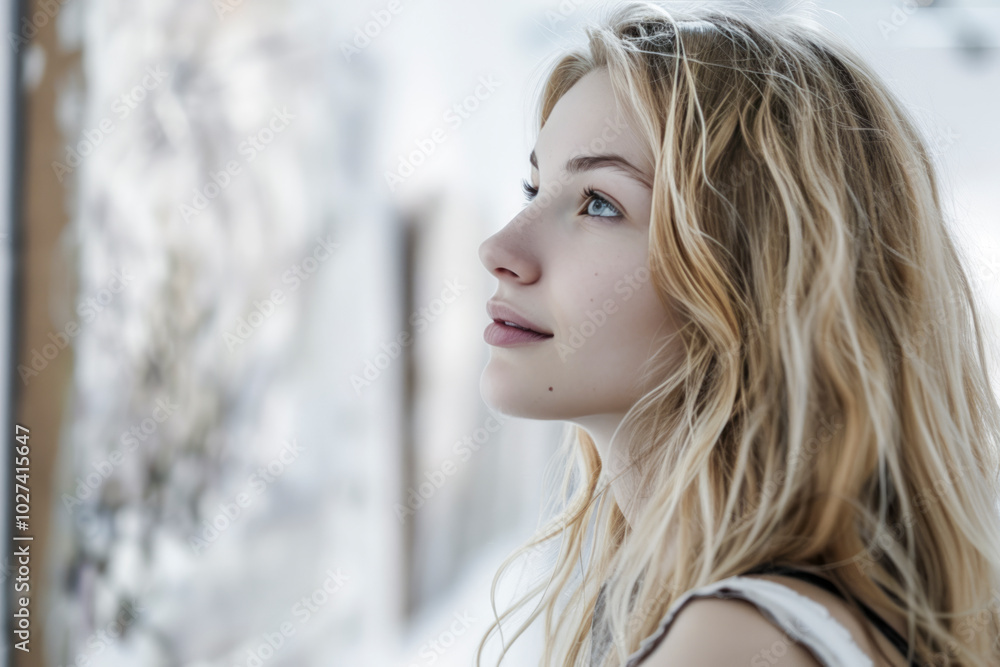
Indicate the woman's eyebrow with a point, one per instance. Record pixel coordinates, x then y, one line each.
582 163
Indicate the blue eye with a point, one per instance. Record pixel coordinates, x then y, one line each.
602 205
603 208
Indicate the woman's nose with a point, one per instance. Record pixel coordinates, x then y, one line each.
512 253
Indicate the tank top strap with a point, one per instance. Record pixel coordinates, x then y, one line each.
803 619
887 630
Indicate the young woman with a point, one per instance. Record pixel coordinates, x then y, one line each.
734 278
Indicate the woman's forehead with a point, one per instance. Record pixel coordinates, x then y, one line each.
588 120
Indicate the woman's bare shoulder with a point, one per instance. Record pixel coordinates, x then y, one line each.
720 632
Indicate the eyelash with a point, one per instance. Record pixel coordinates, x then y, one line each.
530 192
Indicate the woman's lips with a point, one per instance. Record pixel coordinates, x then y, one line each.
501 313
502 335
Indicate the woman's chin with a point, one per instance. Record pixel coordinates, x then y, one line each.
497 398
507 398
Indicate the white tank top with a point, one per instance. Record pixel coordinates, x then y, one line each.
803 620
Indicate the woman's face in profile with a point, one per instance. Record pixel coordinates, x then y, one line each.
575 266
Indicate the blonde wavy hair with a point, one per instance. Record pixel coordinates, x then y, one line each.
832 408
